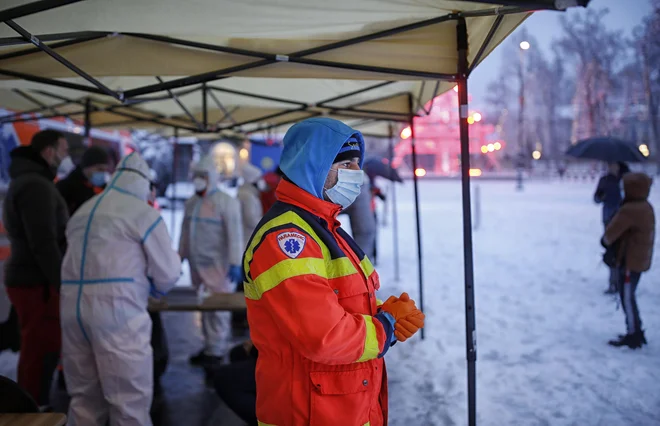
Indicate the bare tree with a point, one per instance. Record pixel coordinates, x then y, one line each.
596 52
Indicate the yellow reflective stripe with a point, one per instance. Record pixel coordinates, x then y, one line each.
342 267
268 424
367 424
378 302
284 270
367 267
371 350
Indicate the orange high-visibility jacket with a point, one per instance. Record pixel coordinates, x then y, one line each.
313 317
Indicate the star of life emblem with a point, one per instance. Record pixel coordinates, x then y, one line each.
291 243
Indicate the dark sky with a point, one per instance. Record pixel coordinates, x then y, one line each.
624 15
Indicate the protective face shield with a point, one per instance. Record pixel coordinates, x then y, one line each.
99 179
200 184
347 188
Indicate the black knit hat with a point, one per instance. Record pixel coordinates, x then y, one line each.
350 149
94 155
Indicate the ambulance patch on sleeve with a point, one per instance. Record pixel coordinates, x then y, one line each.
291 243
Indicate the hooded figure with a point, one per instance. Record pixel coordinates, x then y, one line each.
632 233
248 196
212 241
310 292
119 253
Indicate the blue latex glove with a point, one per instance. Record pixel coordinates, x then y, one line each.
235 274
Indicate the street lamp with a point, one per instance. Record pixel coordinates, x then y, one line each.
524 45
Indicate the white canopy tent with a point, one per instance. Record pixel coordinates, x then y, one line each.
238 65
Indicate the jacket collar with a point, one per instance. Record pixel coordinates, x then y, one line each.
289 193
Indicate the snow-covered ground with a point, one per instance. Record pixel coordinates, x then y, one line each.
542 319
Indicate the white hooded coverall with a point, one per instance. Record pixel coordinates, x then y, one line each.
119 251
248 196
212 240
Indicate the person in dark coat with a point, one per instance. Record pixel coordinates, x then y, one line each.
35 216
86 180
632 232
608 193
235 383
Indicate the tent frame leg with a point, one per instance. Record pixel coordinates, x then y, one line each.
420 263
395 215
470 323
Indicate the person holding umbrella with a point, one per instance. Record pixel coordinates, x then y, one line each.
608 193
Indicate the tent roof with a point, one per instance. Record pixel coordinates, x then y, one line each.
294 54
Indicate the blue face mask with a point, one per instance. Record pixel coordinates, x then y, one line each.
99 179
347 189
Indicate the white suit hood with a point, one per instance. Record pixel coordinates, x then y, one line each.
133 176
250 173
207 165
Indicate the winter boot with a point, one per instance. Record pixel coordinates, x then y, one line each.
641 335
633 341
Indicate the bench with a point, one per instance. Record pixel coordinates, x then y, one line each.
184 299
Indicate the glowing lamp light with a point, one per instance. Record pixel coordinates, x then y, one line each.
244 154
484 149
497 146
644 149
406 133
420 172
475 172
536 155
524 45
470 120
477 117
491 147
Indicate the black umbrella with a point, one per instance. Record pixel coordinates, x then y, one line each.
380 167
606 148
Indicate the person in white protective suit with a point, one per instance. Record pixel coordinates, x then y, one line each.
248 196
212 241
119 252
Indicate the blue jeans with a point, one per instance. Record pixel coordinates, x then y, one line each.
628 281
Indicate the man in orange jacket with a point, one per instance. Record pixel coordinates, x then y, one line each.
312 309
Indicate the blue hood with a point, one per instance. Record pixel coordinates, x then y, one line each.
310 148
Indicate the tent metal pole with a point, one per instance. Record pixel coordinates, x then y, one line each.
43 106
353 93
28 119
59 58
255 96
66 43
205 111
418 224
225 111
51 82
173 192
88 121
32 8
395 215
176 99
470 323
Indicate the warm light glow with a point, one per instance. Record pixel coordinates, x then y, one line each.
420 172
484 149
77 130
456 88
497 146
406 133
644 149
475 172
524 45
470 120
477 117
536 155
491 147
244 154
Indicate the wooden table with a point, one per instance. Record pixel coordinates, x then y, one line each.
183 299
40 419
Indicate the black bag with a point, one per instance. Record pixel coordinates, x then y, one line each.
10 334
611 254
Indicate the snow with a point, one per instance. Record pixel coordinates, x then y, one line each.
542 319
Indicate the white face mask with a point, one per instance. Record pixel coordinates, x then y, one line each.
199 184
347 189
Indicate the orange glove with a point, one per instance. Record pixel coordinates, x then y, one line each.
406 327
399 307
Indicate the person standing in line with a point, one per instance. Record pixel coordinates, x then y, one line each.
119 253
631 234
608 193
35 216
212 242
87 179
